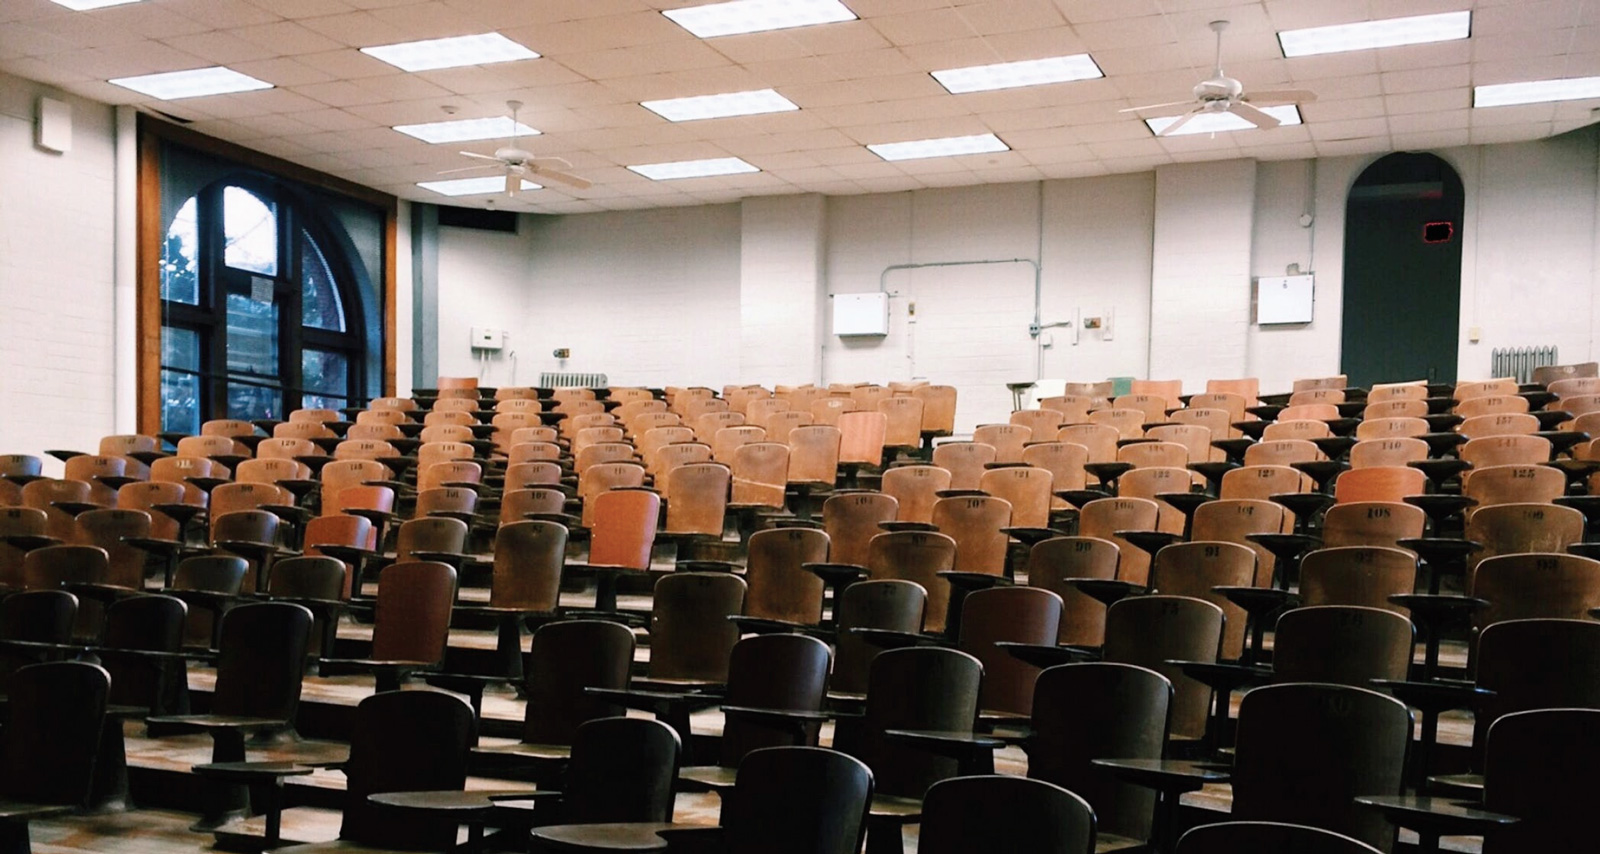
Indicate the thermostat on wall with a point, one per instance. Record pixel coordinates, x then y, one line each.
861 314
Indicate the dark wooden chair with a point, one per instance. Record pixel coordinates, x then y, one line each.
782 595
1005 815
1341 645
525 587
892 604
917 556
1268 837
919 688
49 744
1522 586
22 529
401 741
1535 664
143 624
776 687
1365 576
253 535
1158 631
1540 769
1083 712
1053 564
435 539
261 659
564 659
34 626
1196 569
210 585
318 584
412 624
1027 615
1359 748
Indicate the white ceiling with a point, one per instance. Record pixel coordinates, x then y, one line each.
857 82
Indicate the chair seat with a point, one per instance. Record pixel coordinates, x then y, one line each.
892 806
1104 842
550 752
626 836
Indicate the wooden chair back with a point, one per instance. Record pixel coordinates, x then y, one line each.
1504 451
1296 428
1104 517
1126 719
1491 404
1029 615
110 530
622 770
1391 428
1283 452
17 521
51 741
1371 523
1540 763
903 421
50 567
1263 482
917 556
528 558
1379 483
430 534
778 588
1341 645
851 521
1005 815
1195 569
882 604
814 454
965 461
604 478
1028 490
1397 408
1042 424
564 659
776 671
1512 484
1538 584
923 688
1515 660
1072 408
914 488
1506 424
1054 562
261 658
1233 520
43 494
798 799
690 634
1373 453
405 741
1520 529
623 527
1008 440
974 522
1364 576
781 424
413 611
1099 439
1129 423
1268 837
151 623
938 408
1360 748
697 498
1150 631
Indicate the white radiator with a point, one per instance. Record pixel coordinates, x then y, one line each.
1519 362
571 380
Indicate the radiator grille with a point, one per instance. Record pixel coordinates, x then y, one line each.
571 380
1519 362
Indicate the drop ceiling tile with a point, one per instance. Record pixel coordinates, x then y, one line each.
1427 102
935 25
333 120
1425 55
1117 61
1360 62
627 62
1342 88
1050 137
1520 114
132 59
339 93
1007 16
220 14
282 72
680 84
836 38
1086 11
1426 79
1493 134
1350 129
1085 169
590 35
346 64
1519 70
358 29
1425 122
1144 33
83 30
1350 108
220 48
1526 16
1026 119
932 56
303 8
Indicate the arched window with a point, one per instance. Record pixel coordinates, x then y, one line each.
260 308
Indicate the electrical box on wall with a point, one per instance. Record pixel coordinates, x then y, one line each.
485 338
1284 299
53 130
861 314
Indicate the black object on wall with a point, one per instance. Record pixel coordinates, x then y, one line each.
1402 271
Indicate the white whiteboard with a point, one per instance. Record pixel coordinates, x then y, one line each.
1284 299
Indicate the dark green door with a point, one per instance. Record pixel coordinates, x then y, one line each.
1402 272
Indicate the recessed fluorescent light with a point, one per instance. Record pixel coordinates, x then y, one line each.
1009 75
694 168
482 49
751 103
754 16
86 5
172 85
1288 114
1536 91
464 130
1392 32
950 146
473 186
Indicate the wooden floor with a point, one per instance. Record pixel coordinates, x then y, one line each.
146 831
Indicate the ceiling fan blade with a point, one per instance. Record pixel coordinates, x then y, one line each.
1182 120
1254 115
1282 96
1188 103
562 177
476 156
465 169
513 183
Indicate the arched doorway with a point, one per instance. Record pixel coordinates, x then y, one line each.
1402 271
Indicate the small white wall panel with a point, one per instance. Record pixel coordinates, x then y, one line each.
1284 299
861 314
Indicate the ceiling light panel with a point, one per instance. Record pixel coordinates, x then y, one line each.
86 5
755 16
466 130
1366 35
172 85
950 146
1010 75
1536 92
754 102
694 168
1288 114
473 186
453 52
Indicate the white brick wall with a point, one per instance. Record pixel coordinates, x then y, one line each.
781 288
56 278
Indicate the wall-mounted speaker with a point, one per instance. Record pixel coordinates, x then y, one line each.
53 126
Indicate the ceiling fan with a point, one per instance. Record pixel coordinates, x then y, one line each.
520 163
1224 94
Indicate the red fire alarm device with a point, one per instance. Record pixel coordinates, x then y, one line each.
1438 232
